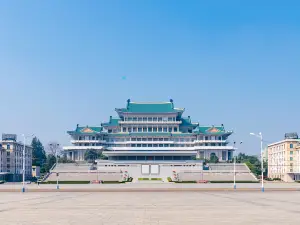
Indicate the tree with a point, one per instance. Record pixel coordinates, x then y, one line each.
51 160
252 162
38 153
213 159
91 155
54 148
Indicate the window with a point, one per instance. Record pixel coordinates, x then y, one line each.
159 129
140 119
170 129
129 129
133 139
139 129
159 119
134 129
155 139
144 139
154 118
129 118
149 145
149 139
8 147
138 139
150 119
144 118
165 119
291 145
170 118
291 158
175 129
149 129
291 152
124 129
165 129
134 119
144 129
223 155
154 129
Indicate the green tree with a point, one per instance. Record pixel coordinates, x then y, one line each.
91 155
213 159
51 160
38 153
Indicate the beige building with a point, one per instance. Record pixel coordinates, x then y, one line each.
11 160
284 159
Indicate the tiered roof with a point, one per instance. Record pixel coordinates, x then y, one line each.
86 130
149 107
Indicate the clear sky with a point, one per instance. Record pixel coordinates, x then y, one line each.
230 62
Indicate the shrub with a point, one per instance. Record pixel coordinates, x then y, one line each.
169 179
145 178
156 179
129 179
2 181
66 182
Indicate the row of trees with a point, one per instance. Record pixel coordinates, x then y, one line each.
46 158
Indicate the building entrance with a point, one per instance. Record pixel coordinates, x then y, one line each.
150 169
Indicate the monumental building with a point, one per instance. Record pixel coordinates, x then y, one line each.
284 158
155 131
11 158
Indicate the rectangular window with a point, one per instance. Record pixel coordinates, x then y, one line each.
149 129
291 146
223 155
129 129
149 145
154 129
154 119
139 129
8 147
138 145
161 139
155 139
129 118
124 129
144 145
134 129
291 158
161 145
133 139
144 129
165 129
170 118
144 139
140 119
166 139
159 129
145 119
150 119
170 129
155 145
134 119
175 129
291 152
149 139
166 145
138 139
159 119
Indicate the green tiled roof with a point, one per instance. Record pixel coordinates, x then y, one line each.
215 130
143 107
86 130
186 121
113 122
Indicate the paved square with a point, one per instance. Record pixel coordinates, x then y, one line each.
150 208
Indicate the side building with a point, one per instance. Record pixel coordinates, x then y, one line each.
11 161
151 132
284 158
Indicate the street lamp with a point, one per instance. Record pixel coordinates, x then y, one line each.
24 160
55 146
234 164
259 135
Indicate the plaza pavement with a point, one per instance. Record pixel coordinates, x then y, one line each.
149 208
148 187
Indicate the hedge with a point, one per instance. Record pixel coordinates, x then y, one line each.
169 179
66 182
145 178
156 179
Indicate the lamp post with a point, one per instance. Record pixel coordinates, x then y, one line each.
234 165
55 146
259 135
24 161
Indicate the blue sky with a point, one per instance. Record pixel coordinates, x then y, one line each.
230 62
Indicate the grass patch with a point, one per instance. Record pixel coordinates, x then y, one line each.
145 178
66 182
